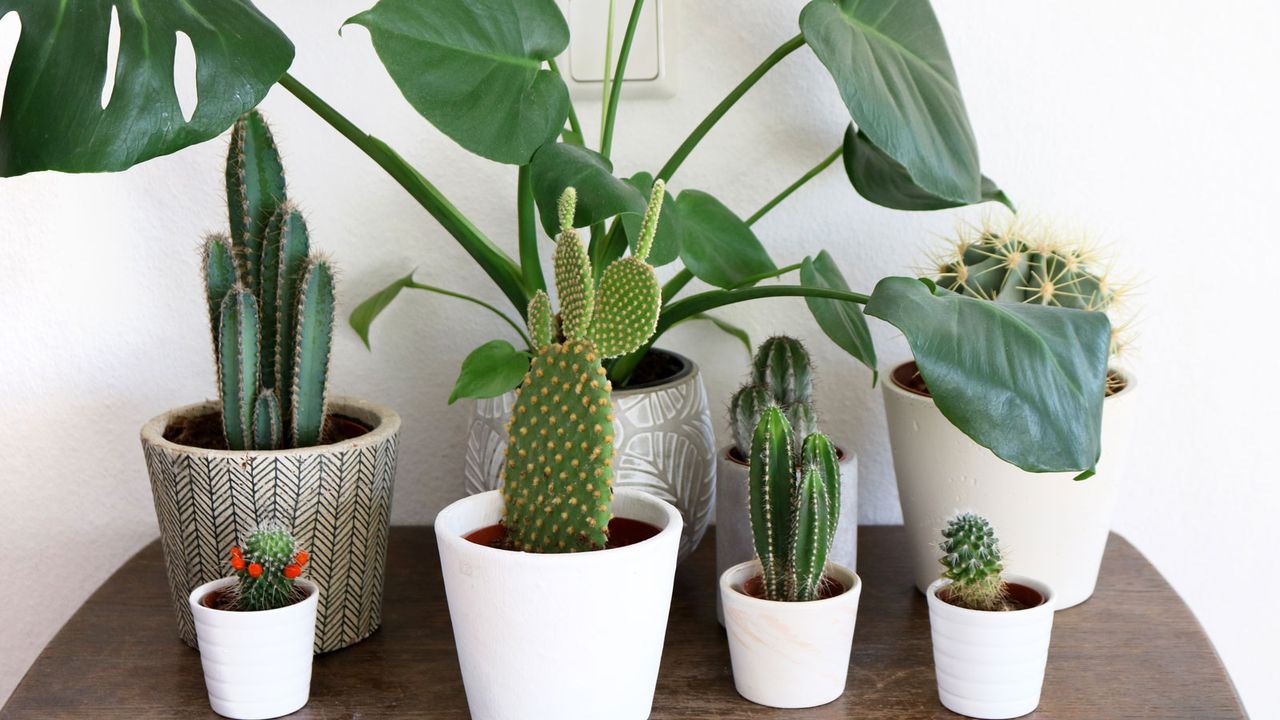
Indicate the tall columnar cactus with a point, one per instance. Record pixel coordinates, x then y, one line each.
782 375
794 504
267 567
271 304
558 476
971 556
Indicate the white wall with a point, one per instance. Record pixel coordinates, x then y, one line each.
1152 123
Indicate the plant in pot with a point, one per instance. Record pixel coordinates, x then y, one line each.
990 630
559 567
256 628
789 613
1058 525
782 376
274 447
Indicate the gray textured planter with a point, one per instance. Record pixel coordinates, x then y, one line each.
664 439
336 498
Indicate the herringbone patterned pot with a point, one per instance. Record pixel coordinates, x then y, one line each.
336 498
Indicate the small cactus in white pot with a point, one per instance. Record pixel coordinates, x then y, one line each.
990 630
256 628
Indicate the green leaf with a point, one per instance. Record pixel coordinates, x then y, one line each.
366 312
666 244
716 245
1024 380
728 328
557 166
53 118
882 180
490 370
892 68
474 69
843 322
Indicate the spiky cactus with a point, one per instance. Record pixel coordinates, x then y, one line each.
271 304
971 556
794 504
558 475
267 567
782 375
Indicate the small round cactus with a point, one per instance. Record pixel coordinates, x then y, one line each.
267 567
973 564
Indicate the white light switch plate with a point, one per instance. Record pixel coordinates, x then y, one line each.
650 68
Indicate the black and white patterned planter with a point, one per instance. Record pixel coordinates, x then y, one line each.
336 499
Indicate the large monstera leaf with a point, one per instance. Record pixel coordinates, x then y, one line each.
473 68
53 118
890 63
557 166
882 180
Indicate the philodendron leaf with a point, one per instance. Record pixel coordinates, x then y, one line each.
885 182
843 322
1024 380
716 245
490 370
474 69
891 65
557 166
53 116
666 244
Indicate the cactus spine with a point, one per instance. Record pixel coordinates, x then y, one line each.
267 567
971 556
558 473
782 375
271 304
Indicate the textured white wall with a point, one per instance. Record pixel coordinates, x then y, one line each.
1153 123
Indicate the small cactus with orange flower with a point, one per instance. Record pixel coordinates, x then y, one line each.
267 566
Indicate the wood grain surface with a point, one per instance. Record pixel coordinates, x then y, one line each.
1133 651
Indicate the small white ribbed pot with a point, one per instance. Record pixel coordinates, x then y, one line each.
574 636
734 543
990 665
257 665
789 654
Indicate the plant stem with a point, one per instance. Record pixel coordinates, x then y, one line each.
450 293
813 172
574 126
530 263
611 111
752 280
676 284
710 300
734 95
495 263
608 61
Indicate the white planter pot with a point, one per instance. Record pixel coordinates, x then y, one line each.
558 637
256 664
733 524
990 664
1054 527
664 442
789 654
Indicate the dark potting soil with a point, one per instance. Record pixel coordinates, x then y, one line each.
205 431
657 366
908 378
754 587
226 600
622 532
1020 597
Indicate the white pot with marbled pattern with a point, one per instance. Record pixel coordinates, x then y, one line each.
664 442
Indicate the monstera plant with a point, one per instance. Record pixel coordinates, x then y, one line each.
483 72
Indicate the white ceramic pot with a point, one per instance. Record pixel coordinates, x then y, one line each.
663 437
789 654
1053 527
733 524
990 664
573 636
256 664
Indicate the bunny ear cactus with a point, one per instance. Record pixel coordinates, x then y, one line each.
271 304
971 556
558 474
782 375
267 567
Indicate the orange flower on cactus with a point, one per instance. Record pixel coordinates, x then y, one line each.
302 557
235 551
292 571
255 570
237 562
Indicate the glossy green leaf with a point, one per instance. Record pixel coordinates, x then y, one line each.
490 370
666 244
474 69
557 166
716 245
53 117
885 182
728 328
1024 380
843 322
891 66
366 312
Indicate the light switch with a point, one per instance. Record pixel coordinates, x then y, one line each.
649 66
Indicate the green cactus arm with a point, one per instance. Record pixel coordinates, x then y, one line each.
819 455
311 356
627 302
219 277
269 294
803 418
811 526
255 188
770 486
649 228
744 414
238 366
295 249
541 320
566 206
267 429
575 286
782 363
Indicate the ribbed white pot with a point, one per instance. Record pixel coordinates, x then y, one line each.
1053 526
733 524
573 636
990 664
789 654
256 664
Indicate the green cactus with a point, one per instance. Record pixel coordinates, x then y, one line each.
558 474
794 505
971 556
271 304
267 567
782 375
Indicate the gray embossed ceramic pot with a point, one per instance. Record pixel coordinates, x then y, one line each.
335 497
663 436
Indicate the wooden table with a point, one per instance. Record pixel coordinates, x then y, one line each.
1133 651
